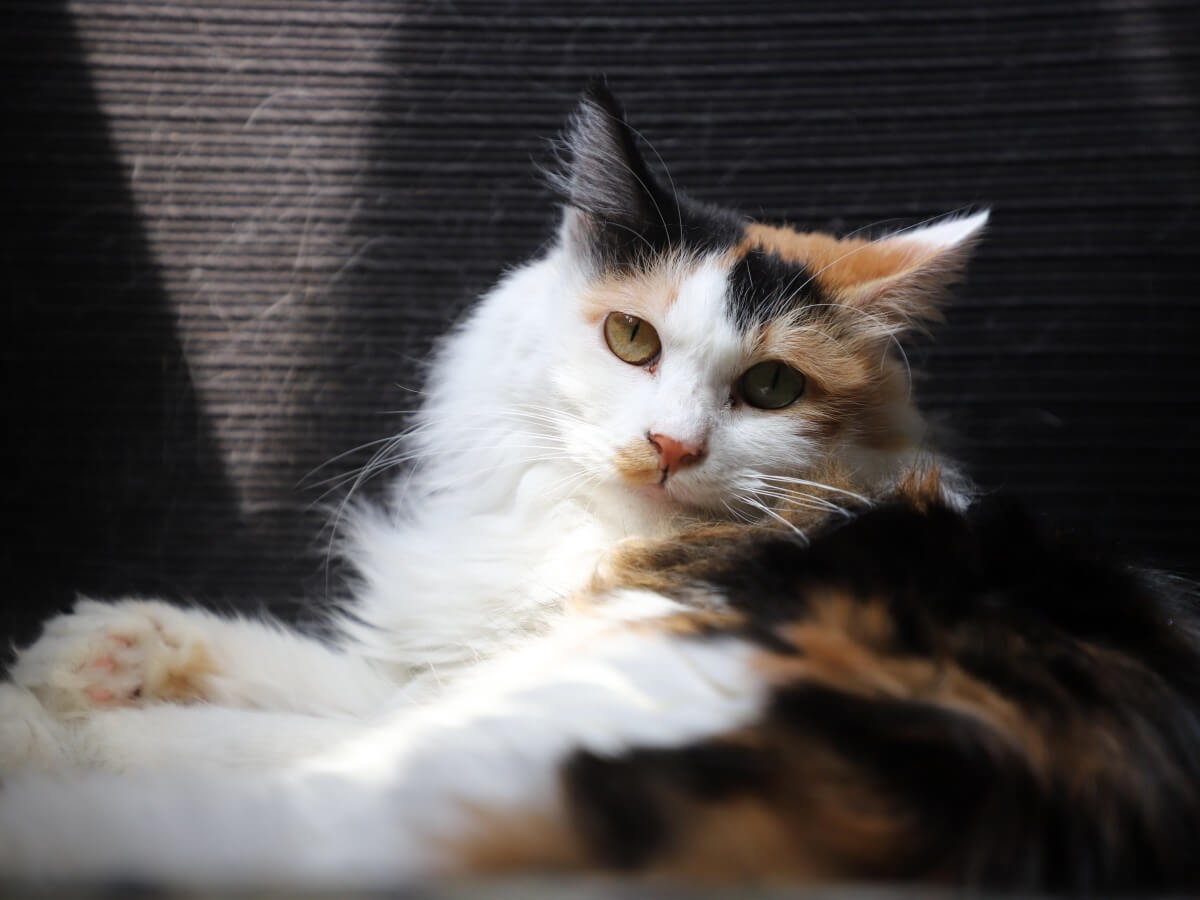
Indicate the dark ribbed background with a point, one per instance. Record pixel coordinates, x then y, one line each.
236 226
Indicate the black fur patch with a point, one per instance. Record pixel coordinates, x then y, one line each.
615 809
762 285
622 806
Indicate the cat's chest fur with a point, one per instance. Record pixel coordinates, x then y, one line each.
463 582
497 523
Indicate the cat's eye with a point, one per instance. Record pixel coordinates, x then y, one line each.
631 339
771 385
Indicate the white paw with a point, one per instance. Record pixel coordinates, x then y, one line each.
104 655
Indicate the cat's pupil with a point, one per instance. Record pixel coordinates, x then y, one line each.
771 385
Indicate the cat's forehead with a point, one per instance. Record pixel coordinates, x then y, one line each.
687 298
758 278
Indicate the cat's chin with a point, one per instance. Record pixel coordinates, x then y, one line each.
662 496
656 492
657 496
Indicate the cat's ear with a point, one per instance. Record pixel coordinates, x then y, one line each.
896 281
901 279
611 198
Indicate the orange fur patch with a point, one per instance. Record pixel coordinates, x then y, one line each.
184 681
692 623
846 643
646 294
743 838
892 282
922 486
637 463
525 841
852 383
838 264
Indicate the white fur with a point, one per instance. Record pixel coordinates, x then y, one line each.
949 232
395 801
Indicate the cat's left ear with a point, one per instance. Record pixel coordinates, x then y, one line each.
612 201
901 279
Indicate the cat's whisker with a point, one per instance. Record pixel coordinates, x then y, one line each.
738 514
791 501
792 479
370 469
307 482
379 459
344 454
785 490
382 462
791 526
797 498
578 481
555 416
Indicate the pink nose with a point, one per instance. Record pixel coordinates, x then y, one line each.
674 455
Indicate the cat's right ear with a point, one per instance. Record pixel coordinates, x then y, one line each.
610 198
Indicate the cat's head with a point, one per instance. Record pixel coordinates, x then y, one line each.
714 359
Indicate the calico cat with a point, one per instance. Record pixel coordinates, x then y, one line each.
673 588
664 363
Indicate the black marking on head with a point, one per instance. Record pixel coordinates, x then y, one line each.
623 216
763 286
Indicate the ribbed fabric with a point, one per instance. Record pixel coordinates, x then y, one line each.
241 224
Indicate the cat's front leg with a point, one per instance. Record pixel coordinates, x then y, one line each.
138 652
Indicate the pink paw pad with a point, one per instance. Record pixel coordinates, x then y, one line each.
100 695
109 671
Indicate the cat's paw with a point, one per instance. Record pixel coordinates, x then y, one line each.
103 655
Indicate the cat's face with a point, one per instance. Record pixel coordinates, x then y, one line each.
715 362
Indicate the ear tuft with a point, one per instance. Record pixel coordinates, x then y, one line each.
952 231
603 175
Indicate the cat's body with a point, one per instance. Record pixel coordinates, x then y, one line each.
565 648
536 451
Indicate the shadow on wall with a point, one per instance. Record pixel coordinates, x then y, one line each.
111 478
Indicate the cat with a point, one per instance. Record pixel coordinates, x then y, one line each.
665 363
674 588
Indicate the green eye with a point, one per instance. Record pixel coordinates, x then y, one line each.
771 385
631 339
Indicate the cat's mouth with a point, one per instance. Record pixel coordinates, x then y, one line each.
671 491
639 467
